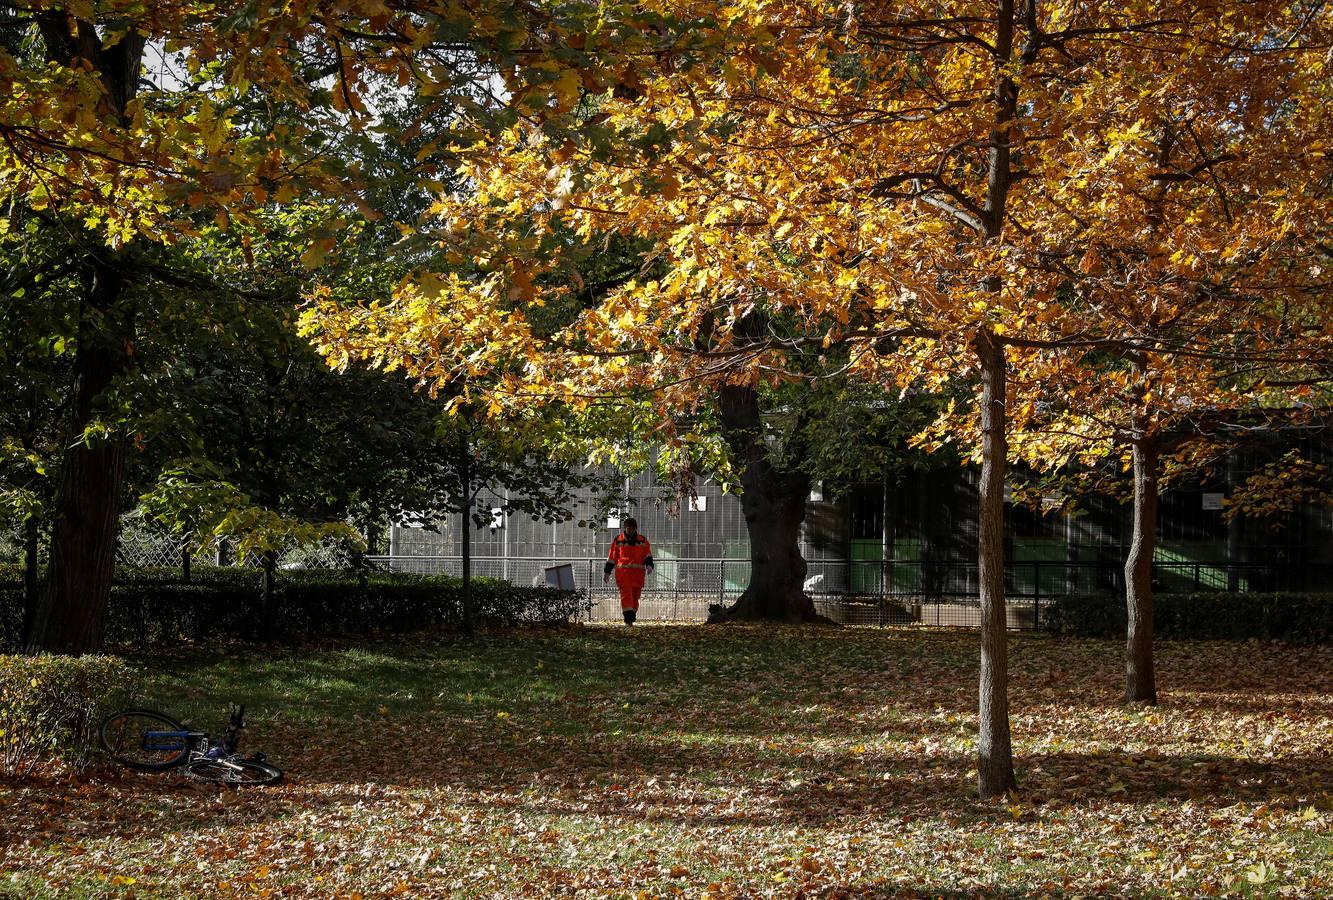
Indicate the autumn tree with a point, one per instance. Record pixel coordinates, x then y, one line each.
903 180
127 126
1189 244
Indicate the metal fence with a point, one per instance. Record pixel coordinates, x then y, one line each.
141 549
928 592
872 591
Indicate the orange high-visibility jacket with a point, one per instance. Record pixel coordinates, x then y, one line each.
630 560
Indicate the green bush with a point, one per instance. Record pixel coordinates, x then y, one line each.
150 606
50 707
1216 615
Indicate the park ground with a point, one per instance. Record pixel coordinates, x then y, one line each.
709 761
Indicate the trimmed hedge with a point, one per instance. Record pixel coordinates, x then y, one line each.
50 707
1213 615
153 605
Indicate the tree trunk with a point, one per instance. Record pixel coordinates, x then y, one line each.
32 582
1140 681
1234 533
773 501
70 618
268 598
185 564
373 539
995 759
220 557
465 476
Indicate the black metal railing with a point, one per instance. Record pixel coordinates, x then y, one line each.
931 592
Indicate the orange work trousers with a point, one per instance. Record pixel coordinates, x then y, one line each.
630 582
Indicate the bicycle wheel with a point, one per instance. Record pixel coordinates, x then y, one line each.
145 740
232 771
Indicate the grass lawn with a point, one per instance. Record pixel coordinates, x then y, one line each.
722 761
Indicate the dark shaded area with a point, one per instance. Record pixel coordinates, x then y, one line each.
150 607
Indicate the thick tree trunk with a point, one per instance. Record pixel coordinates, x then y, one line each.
773 501
87 514
995 759
1140 681
70 618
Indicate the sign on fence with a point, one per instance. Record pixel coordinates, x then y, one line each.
561 577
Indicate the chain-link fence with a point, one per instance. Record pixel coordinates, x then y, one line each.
870 592
141 549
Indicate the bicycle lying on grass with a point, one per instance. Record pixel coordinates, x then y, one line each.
151 741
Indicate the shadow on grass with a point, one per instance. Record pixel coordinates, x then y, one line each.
658 778
665 723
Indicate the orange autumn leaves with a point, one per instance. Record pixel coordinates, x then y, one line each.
1167 198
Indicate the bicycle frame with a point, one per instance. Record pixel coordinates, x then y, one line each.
196 742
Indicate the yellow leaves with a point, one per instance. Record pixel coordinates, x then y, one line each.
315 254
567 88
286 193
1260 873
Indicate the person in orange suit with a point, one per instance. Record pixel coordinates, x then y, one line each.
631 559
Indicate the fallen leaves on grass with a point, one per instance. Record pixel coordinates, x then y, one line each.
716 762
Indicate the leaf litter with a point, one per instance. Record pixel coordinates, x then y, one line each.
710 762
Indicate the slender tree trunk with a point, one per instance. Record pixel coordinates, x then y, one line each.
373 539
87 513
1234 533
465 476
995 760
220 556
1140 681
32 582
268 600
773 501
185 564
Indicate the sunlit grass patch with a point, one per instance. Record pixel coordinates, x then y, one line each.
737 761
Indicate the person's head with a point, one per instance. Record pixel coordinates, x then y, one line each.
631 527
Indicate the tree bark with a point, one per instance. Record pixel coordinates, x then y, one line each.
1234 525
995 759
70 618
465 477
32 582
268 599
1140 680
87 512
773 502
